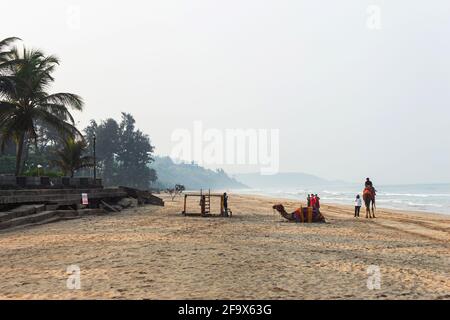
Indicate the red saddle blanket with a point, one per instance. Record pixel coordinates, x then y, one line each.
370 191
308 214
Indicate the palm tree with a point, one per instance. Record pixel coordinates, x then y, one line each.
70 157
5 64
4 49
26 101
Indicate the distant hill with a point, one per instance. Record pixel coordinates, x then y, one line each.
192 176
281 180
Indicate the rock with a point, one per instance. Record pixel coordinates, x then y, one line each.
134 203
124 203
110 208
128 203
117 207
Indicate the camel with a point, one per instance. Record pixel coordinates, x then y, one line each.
369 201
295 216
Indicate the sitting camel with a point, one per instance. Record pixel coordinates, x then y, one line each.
301 214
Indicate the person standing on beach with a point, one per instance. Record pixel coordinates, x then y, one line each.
317 201
358 205
313 201
225 203
308 200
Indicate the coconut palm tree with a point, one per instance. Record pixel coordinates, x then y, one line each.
5 45
27 101
5 64
70 157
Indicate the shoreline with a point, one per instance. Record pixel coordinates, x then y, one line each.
382 214
156 253
325 202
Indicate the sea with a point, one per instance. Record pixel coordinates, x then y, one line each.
415 197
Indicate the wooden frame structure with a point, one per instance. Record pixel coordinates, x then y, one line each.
205 205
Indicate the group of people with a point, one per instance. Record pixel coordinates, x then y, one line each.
313 200
368 185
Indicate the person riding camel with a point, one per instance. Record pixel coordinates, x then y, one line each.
369 195
369 185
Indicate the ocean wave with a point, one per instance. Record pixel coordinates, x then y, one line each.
419 201
419 195
415 204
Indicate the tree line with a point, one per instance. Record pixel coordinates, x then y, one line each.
123 152
37 128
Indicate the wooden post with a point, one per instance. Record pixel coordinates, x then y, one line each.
310 213
185 197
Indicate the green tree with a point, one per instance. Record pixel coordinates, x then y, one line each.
71 157
134 155
24 100
123 152
7 162
6 83
107 146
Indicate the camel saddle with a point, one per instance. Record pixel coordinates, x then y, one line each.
370 191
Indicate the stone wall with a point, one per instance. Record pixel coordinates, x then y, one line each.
8 182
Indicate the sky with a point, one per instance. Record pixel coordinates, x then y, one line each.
350 99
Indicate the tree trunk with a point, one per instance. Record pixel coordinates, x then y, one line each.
19 152
25 152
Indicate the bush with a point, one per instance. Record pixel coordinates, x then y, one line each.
43 173
7 164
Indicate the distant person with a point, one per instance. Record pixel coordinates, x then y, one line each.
358 204
313 201
308 200
317 201
225 203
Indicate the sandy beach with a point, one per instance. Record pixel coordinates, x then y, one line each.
156 253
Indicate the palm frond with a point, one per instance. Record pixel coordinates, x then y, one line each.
64 99
58 110
7 42
4 46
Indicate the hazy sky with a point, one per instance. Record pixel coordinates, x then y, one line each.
349 101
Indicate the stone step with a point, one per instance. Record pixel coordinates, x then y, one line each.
53 219
36 218
21 211
48 217
7 215
51 207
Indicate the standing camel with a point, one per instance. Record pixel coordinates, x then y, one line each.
369 201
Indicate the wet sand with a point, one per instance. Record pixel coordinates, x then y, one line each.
156 253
